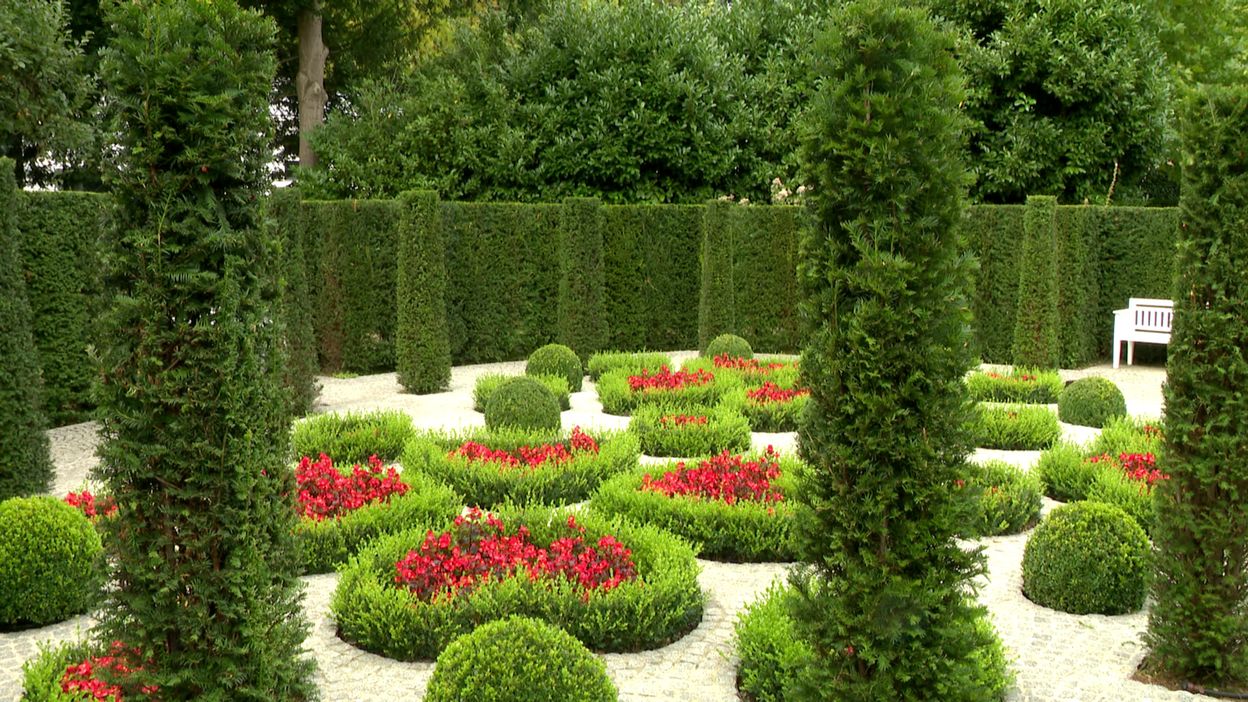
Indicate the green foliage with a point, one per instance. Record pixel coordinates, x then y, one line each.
48 558
1015 427
1112 486
1128 435
557 360
553 483
522 403
41 675
1091 402
1087 558
771 653
488 383
730 345
660 433
582 287
660 605
1198 629
884 279
716 296
352 437
1204 42
519 660
1006 499
1036 321
423 355
297 312
768 416
1023 385
202 557
25 465
1130 239
1066 472
764 276
993 233
629 362
618 398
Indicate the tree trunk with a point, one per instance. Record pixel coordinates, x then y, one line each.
310 81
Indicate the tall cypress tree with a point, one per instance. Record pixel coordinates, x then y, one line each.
1035 329
193 417
1198 628
885 589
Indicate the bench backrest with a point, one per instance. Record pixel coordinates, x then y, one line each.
1151 314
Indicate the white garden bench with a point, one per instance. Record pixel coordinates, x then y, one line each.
1145 319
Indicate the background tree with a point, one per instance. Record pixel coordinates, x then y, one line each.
193 419
885 591
1204 42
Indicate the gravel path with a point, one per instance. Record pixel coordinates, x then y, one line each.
1057 657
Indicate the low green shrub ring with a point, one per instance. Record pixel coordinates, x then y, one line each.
663 604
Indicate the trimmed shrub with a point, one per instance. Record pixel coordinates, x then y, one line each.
994 232
488 383
519 660
423 345
522 403
25 465
1025 385
42 675
1087 558
1006 499
559 360
662 604
716 314
48 556
470 463
1135 497
745 530
1036 323
730 345
1066 473
689 431
764 276
352 437
672 388
771 653
582 286
1015 427
770 407
1128 435
299 337
604 362
1091 402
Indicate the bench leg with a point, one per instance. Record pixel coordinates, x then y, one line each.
1130 353
1117 351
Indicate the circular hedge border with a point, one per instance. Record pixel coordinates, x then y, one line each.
619 399
724 430
661 605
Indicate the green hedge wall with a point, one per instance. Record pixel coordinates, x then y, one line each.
994 233
764 274
717 296
582 308
1036 319
423 355
59 247
1137 254
1078 288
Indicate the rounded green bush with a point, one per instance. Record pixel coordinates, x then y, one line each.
519 660
1007 499
559 360
1087 558
1091 402
48 553
522 403
730 344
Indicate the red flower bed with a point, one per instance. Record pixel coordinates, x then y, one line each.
667 379
680 420
479 549
747 365
1017 377
528 456
90 505
725 477
770 392
118 663
1140 467
326 493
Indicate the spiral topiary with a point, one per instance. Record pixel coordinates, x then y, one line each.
48 553
557 359
516 660
1087 558
1091 402
523 403
730 344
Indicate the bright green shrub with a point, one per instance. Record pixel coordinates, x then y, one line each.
618 397
519 660
1087 558
582 306
285 213
766 411
771 654
352 437
1025 385
1198 628
1128 435
604 362
422 342
557 360
1135 497
41 675
48 555
1006 499
716 314
488 383
689 431
1066 473
1091 402
660 605
728 344
1036 323
489 484
25 465
522 403
1015 427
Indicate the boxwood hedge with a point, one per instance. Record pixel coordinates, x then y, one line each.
1015 427
352 437
618 398
676 431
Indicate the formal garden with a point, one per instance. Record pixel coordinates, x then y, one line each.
461 413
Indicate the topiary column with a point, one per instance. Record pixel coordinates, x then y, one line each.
25 467
423 350
716 297
1198 628
1036 343
884 590
298 337
582 281
201 555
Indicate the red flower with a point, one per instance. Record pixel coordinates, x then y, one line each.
746 365
117 664
725 477
680 420
326 493
1140 467
528 456
666 379
90 505
770 392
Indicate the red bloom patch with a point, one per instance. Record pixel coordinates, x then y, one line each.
1140 467
747 365
90 505
1014 377
680 420
118 663
770 392
725 477
667 379
528 456
326 493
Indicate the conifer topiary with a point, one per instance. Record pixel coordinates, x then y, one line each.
202 558
883 597
716 294
25 466
1036 342
1198 628
582 308
423 344
299 339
